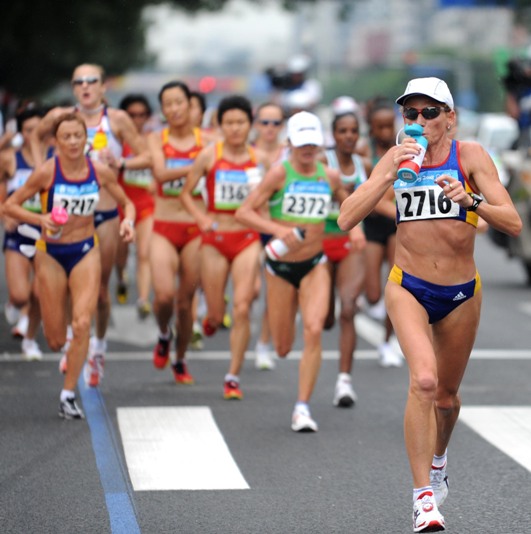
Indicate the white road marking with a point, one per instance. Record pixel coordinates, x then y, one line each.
177 448
224 355
506 427
525 307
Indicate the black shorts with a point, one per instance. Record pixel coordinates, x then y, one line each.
379 228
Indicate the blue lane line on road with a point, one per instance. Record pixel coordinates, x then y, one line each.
118 492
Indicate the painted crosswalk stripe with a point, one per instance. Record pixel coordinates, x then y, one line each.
506 427
177 448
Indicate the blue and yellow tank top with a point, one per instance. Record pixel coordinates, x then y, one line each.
78 197
424 199
22 173
302 199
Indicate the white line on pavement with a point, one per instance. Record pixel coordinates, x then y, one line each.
177 448
506 427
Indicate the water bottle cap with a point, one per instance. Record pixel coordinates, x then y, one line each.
413 129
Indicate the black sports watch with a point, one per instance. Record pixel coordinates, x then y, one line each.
476 201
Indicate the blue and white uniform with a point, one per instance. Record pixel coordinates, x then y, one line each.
79 198
424 199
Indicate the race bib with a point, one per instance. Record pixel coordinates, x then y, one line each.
232 187
33 204
307 201
426 199
141 178
174 188
77 199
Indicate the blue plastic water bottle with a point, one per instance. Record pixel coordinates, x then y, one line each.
408 171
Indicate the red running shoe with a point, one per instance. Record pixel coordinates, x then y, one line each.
208 329
181 374
161 352
232 390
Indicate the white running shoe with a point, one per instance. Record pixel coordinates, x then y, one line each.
388 357
62 364
31 350
93 370
439 483
196 341
263 359
12 313
21 328
302 422
344 394
68 409
426 516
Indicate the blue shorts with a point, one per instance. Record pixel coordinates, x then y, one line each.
437 300
103 216
13 240
68 255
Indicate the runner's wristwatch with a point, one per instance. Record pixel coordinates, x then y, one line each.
476 201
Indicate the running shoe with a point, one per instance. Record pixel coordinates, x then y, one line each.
227 318
143 309
181 374
344 394
301 421
93 370
426 516
161 352
122 292
232 390
62 364
439 483
12 313
208 329
263 358
68 409
388 357
196 341
31 350
20 330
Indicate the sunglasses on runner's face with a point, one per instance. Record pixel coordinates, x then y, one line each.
268 122
91 80
431 112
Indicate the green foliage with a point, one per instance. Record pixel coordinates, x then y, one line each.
42 42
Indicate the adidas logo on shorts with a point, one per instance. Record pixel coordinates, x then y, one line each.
460 296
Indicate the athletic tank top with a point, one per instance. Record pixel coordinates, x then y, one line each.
78 197
302 199
229 183
22 173
100 137
424 199
177 158
350 182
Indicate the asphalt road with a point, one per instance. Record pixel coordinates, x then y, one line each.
150 452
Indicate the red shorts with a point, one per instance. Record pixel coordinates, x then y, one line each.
230 244
145 207
336 248
177 233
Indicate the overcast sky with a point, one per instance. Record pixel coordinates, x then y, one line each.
264 31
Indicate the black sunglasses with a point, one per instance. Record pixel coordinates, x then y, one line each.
431 112
85 79
268 122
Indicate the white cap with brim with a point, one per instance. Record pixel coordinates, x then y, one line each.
305 129
430 87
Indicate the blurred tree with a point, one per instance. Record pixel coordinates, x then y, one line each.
41 42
